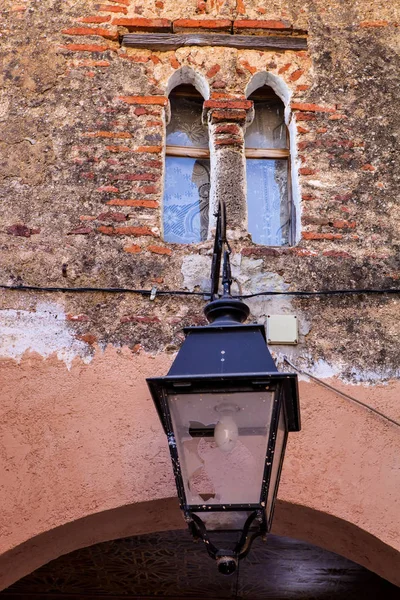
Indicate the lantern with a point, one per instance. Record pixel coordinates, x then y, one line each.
227 411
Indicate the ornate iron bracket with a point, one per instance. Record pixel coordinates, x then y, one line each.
221 252
223 306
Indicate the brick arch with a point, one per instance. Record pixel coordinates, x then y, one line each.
291 520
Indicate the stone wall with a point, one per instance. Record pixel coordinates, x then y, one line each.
82 141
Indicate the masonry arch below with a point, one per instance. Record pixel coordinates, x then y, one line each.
77 472
291 520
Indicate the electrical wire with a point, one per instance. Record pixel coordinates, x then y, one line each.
155 291
83 290
340 393
323 293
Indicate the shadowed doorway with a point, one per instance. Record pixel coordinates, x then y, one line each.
171 565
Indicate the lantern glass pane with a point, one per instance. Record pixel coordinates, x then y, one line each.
222 443
280 443
226 520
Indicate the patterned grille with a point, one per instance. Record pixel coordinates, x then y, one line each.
186 195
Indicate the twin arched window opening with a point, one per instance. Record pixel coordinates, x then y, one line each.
188 170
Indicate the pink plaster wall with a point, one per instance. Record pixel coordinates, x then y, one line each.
83 459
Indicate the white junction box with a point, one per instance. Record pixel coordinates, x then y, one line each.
282 329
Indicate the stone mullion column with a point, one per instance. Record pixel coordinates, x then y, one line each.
227 122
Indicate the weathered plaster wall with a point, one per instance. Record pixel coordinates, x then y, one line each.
82 134
81 173
76 443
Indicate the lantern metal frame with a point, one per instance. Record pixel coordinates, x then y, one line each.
160 387
197 369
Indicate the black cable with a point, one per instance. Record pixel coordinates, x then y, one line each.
340 393
323 293
81 290
155 291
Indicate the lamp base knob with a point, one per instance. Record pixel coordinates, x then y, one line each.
227 564
226 311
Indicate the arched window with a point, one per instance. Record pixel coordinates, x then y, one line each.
267 171
187 169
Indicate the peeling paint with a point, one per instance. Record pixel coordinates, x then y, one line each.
44 331
195 269
325 370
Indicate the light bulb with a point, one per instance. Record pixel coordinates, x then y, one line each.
226 433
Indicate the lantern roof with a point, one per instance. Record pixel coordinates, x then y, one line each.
225 347
229 354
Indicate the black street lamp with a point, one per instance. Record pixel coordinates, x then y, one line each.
226 411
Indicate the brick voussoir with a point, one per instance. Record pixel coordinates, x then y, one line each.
182 25
142 24
154 100
241 24
91 31
225 104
